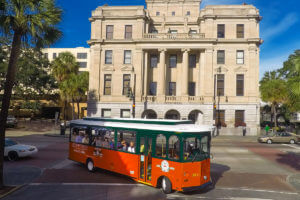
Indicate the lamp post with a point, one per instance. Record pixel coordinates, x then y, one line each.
219 123
131 96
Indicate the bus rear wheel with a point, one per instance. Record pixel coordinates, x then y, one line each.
90 165
166 185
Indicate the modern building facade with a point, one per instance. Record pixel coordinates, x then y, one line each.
179 62
81 54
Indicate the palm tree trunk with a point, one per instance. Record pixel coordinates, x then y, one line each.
73 109
78 111
10 78
65 111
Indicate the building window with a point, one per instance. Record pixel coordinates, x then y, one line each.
192 32
154 31
188 13
173 61
240 57
125 113
107 84
127 57
106 113
54 55
239 116
153 61
82 64
220 57
109 32
81 55
240 30
46 55
161 146
108 57
192 61
240 85
220 84
221 30
173 31
172 89
173 13
152 89
126 84
192 88
128 32
157 13
220 117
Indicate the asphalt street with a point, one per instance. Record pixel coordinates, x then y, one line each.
241 169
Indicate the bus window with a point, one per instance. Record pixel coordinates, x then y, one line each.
80 135
174 150
126 141
191 148
161 144
204 146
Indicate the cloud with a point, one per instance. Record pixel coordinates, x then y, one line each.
288 21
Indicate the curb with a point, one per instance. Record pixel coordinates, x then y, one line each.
11 191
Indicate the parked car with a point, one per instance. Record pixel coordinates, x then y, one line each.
280 137
11 121
13 150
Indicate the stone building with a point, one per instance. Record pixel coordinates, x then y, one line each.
178 60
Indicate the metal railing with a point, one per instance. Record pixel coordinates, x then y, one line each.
170 36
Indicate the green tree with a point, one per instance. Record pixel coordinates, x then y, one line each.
63 67
273 90
291 73
32 23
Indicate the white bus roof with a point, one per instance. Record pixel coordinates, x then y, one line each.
179 128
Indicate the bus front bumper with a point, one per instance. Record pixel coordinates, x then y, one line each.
188 189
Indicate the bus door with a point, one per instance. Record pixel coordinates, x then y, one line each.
145 159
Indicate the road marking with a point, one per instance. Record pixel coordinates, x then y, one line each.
86 184
255 190
291 146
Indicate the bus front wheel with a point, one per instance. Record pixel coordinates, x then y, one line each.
90 165
166 185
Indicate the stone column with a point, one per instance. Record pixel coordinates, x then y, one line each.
185 73
146 72
161 85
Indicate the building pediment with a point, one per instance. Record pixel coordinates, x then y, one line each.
221 69
127 68
241 69
108 68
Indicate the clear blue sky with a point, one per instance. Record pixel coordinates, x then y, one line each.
280 27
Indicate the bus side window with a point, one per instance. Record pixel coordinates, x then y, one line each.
74 134
204 145
126 141
161 144
174 147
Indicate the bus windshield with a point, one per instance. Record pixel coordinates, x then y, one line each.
196 148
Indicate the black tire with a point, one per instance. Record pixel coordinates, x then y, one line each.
292 141
12 156
90 165
166 185
269 141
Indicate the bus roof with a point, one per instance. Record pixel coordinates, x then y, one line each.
139 120
178 128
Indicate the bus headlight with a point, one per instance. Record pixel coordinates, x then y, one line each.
205 177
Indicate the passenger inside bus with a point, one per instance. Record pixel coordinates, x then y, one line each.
73 137
112 143
123 146
131 148
86 139
79 137
97 141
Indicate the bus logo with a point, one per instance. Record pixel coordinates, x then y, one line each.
165 166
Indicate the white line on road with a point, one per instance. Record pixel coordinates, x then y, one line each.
291 146
255 190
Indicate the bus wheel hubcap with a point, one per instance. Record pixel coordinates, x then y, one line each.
90 165
164 184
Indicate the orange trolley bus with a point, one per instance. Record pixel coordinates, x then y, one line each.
171 154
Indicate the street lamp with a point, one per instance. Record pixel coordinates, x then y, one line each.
131 95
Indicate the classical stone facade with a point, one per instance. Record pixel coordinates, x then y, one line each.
178 60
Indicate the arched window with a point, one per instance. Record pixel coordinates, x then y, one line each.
174 147
161 144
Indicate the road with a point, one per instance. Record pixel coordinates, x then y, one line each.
241 169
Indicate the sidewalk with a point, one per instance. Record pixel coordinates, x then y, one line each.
222 138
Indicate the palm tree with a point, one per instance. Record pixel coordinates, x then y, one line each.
274 91
32 22
63 67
